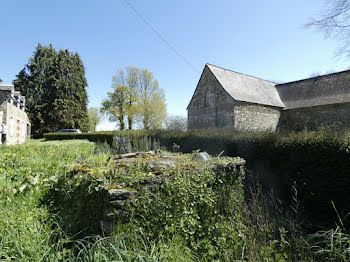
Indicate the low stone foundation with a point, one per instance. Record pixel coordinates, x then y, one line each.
120 197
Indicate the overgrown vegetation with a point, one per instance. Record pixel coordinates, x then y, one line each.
315 163
200 214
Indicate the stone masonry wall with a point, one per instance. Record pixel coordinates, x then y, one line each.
219 113
17 123
336 116
3 108
254 117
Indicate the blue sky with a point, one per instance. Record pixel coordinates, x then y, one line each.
261 38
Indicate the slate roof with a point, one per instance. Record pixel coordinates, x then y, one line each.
8 91
247 88
316 91
5 92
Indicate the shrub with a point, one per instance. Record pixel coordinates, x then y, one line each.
101 137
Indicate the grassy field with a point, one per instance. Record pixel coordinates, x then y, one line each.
257 229
29 232
26 228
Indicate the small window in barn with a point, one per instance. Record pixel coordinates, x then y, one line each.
209 99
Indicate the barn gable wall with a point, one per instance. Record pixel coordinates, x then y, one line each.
219 113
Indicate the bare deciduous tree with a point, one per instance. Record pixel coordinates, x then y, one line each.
176 123
334 22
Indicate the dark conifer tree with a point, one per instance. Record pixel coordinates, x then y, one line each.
54 84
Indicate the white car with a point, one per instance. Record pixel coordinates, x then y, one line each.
69 131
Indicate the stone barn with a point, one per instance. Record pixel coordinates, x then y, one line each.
13 115
322 101
224 98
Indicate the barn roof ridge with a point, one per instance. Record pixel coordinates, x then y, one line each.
247 88
233 71
313 77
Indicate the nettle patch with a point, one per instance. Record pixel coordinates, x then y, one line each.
166 195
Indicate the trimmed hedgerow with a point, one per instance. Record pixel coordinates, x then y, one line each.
106 136
315 164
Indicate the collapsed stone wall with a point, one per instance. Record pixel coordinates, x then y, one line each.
117 203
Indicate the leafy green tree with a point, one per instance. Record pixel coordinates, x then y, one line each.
151 102
115 106
129 79
137 98
54 84
95 118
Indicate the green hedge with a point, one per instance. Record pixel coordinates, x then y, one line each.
317 164
106 136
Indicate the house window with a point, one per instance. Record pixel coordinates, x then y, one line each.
209 99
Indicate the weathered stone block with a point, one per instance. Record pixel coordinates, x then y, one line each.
121 194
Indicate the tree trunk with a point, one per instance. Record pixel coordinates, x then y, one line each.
122 125
145 123
130 122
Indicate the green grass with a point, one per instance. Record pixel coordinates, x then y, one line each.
29 232
26 171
